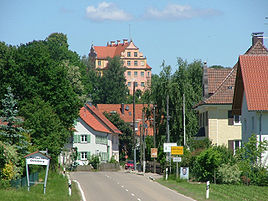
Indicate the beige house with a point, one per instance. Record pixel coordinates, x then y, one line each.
137 69
216 119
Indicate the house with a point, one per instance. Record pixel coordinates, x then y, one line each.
95 135
216 120
251 98
125 111
137 68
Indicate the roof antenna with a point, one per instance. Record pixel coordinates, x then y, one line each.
130 33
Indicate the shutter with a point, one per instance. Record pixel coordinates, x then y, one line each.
78 138
79 155
75 138
88 155
88 138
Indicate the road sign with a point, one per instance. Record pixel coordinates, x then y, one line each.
177 159
167 146
177 150
153 152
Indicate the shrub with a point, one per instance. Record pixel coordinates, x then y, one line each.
94 161
206 164
229 174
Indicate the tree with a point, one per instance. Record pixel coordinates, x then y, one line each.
113 83
47 132
126 139
11 130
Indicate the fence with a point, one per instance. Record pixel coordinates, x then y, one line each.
17 183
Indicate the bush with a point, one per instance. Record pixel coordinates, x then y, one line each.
206 164
94 161
229 174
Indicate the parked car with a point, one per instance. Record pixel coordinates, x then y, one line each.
129 165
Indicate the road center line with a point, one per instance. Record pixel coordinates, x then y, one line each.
126 189
133 194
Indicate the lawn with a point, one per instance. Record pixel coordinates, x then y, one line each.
57 190
218 192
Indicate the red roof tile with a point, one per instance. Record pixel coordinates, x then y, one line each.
104 119
109 51
254 72
127 116
215 77
92 121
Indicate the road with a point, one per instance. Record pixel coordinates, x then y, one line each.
122 186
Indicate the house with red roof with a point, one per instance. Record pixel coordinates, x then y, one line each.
251 98
137 68
95 135
216 120
125 111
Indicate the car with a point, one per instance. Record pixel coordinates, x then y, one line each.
129 165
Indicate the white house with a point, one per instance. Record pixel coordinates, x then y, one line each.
251 98
95 135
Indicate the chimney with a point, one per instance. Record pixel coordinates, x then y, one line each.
118 42
122 108
205 80
125 41
112 43
257 36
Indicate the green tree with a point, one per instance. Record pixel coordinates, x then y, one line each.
46 128
113 83
126 139
11 130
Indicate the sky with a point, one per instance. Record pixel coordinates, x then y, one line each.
214 31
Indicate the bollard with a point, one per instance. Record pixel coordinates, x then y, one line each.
70 187
166 173
207 193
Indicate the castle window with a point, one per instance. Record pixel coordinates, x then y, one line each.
128 54
135 54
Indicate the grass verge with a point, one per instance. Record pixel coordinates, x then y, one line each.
57 190
218 192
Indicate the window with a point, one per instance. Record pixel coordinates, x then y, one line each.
135 74
233 119
142 74
129 84
129 73
128 63
142 84
136 84
101 140
206 118
148 74
237 120
135 63
142 63
128 54
83 138
84 156
104 156
135 54
99 63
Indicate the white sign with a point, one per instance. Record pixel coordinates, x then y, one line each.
167 146
37 161
176 159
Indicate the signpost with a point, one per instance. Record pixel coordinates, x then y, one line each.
37 158
177 150
167 146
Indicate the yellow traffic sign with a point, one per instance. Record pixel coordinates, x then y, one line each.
178 150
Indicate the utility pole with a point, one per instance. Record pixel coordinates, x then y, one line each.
140 145
168 140
134 126
143 141
184 130
154 140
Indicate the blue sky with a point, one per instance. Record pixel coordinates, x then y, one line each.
215 31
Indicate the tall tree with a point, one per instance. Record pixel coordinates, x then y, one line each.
113 83
11 130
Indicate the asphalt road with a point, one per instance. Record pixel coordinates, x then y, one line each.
122 186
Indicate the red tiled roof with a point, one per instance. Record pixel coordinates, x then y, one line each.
104 119
215 77
92 121
254 74
257 49
127 116
110 51
148 67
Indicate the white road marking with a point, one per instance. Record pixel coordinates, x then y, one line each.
133 194
122 186
139 199
126 189
81 191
